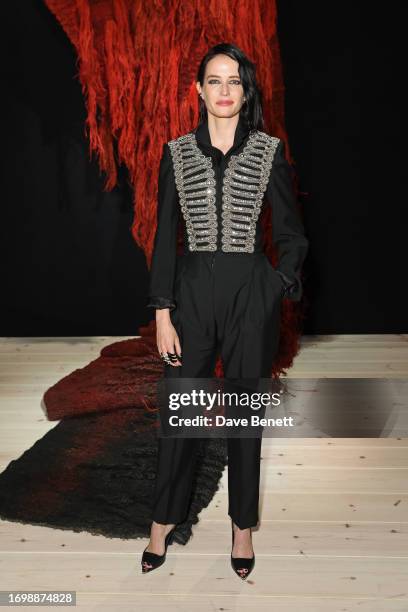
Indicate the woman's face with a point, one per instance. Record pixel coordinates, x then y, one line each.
222 90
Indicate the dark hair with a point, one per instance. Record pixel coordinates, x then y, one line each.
252 107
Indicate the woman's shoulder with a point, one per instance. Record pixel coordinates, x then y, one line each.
180 139
264 136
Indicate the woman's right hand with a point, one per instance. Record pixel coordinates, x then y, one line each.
166 336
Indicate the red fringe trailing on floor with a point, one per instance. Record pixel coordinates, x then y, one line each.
137 63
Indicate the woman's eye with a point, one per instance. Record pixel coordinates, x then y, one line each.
235 82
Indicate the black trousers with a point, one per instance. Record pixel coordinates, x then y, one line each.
228 304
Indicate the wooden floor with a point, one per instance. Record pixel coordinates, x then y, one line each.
333 534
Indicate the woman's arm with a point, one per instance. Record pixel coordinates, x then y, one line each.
163 267
287 229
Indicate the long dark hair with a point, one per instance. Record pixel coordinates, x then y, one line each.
252 107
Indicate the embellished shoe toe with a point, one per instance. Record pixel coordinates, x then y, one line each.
242 566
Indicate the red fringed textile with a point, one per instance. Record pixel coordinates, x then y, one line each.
137 65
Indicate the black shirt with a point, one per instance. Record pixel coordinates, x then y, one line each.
287 228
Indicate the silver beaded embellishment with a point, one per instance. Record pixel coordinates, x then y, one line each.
195 181
245 182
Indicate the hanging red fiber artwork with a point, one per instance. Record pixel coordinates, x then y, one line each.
137 63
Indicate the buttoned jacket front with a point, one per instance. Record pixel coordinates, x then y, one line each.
211 193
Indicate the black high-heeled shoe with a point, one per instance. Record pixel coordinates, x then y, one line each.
150 560
242 566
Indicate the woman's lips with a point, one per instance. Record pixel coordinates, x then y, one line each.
225 103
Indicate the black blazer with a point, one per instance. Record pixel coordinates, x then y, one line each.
287 229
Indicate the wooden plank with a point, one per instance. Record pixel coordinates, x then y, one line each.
273 575
211 537
305 479
317 506
239 600
311 354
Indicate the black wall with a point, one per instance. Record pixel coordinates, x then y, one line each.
69 263
344 75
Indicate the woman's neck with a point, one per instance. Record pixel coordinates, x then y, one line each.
222 131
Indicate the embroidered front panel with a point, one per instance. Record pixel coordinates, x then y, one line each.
245 181
195 181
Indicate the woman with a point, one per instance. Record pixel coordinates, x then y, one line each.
222 295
